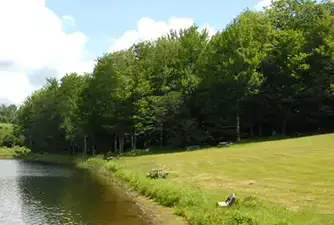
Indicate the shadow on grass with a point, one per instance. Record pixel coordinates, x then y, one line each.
159 151
68 159
279 138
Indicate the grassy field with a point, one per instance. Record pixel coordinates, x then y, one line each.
279 182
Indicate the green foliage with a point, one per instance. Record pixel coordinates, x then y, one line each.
15 151
11 140
9 136
21 150
8 113
5 129
266 73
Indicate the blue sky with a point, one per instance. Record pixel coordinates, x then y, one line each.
104 20
49 38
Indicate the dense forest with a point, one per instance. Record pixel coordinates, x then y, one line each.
266 73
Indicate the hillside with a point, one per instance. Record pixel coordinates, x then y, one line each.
296 173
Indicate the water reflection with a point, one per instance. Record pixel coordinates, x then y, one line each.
36 194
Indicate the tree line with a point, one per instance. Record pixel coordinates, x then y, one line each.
8 113
265 73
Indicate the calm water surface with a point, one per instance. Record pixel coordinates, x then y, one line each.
46 194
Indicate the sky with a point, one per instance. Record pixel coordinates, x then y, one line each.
49 38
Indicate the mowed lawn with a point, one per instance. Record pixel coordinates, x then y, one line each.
297 173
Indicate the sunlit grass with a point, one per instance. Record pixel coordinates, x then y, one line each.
296 174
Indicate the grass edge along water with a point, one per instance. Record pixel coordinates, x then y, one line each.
197 203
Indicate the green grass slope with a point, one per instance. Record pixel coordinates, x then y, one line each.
278 182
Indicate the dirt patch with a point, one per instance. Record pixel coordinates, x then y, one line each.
6 156
154 214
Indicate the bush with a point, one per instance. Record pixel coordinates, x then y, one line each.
15 150
21 150
8 138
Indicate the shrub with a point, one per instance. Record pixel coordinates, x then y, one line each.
8 137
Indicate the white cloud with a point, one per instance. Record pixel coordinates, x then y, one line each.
149 29
68 21
14 87
211 30
261 4
33 38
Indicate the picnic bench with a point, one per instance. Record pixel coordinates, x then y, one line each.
192 147
224 144
111 158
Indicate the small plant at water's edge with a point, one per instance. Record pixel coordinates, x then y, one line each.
158 173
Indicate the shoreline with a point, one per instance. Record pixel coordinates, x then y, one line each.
173 201
6 156
151 212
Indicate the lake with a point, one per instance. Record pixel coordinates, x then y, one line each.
48 194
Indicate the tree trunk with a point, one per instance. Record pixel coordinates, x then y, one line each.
93 150
284 127
69 148
238 126
73 150
93 145
260 130
132 141
135 141
85 146
145 143
161 135
251 131
121 143
115 143
30 140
